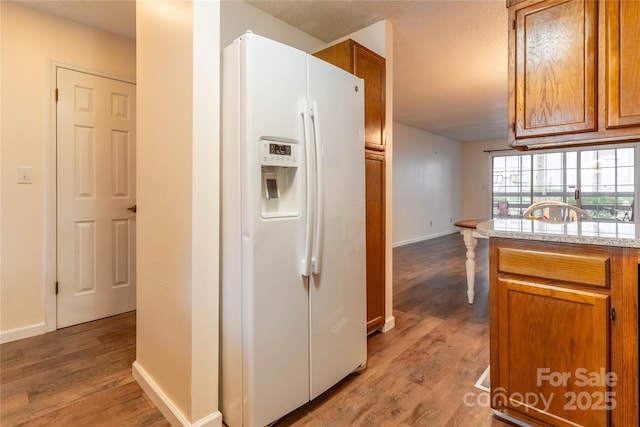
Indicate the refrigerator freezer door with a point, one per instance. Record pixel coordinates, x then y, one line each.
337 295
265 339
275 295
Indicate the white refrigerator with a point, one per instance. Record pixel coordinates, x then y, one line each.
293 297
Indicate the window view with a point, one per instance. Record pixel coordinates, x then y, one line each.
599 181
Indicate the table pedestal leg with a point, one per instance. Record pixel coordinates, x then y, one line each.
470 242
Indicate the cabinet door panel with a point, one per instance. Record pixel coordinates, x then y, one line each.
623 59
551 340
375 218
556 68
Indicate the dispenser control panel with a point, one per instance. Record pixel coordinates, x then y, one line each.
278 153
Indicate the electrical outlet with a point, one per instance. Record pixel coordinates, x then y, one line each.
23 174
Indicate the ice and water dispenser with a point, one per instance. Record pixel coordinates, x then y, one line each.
279 160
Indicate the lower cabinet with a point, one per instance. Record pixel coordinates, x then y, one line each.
375 219
564 333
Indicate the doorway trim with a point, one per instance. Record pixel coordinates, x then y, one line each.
50 177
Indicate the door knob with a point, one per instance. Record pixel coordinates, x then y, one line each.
132 208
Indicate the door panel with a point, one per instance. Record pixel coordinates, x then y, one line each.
533 347
95 188
555 68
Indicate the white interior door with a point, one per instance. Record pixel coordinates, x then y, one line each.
95 188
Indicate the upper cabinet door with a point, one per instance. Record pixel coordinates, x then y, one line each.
555 60
623 63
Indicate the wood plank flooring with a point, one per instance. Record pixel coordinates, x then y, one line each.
77 376
418 374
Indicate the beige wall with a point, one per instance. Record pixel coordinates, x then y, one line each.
427 185
31 43
476 177
178 63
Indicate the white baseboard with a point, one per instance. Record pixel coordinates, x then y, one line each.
24 332
389 324
166 406
427 237
211 420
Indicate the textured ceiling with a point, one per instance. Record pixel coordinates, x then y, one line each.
114 16
450 56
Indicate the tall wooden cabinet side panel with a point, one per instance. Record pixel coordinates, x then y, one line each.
375 219
622 21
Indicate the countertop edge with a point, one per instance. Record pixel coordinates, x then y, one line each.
487 228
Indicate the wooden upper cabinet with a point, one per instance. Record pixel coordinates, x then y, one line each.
573 72
555 68
369 66
622 20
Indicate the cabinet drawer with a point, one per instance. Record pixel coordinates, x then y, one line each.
590 270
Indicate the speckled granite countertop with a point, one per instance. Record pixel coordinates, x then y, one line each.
621 234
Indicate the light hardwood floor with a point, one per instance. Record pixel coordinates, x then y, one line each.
418 374
77 376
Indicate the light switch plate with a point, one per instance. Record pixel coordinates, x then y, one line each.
24 174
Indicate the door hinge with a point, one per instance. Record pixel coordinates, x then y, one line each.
513 24
56 288
612 313
56 94
577 195
513 126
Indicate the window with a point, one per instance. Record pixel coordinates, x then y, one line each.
600 181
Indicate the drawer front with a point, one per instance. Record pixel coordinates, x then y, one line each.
592 270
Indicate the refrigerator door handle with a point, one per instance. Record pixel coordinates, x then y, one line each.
308 239
319 190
